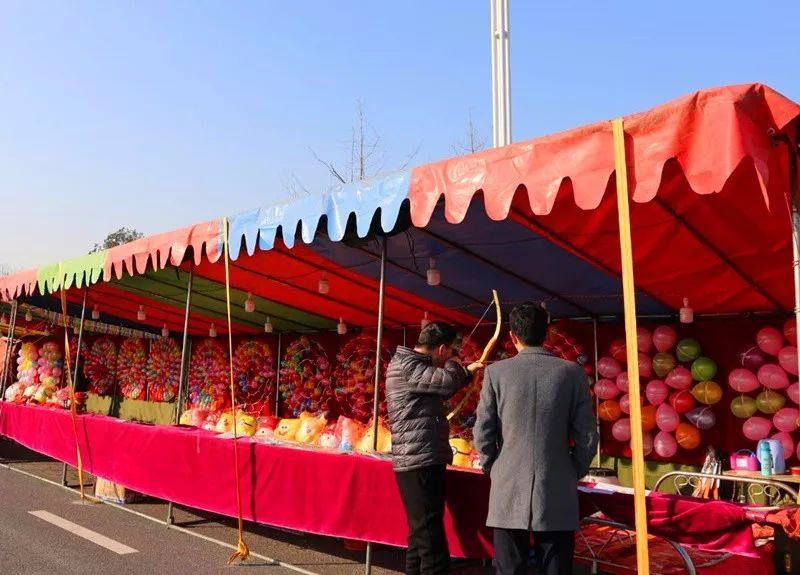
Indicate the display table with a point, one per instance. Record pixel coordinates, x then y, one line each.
336 494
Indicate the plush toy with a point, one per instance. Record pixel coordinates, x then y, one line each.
327 438
287 429
14 392
310 427
475 460
195 417
368 438
245 424
225 422
210 424
265 427
461 451
348 432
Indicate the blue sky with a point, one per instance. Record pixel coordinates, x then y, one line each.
160 114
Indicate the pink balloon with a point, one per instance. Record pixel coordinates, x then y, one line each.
625 404
665 445
770 340
756 428
790 330
647 443
656 392
743 380
793 391
621 430
785 419
644 340
679 378
622 381
772 376
606 389
608 367
787 358
788 443
664 338
645 365
667 419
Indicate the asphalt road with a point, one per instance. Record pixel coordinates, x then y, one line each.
43 543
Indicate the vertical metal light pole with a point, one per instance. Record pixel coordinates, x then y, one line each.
596 377
501 73
379 343
12 324
74 382
278 376
185 345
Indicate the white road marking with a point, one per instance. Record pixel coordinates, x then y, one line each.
87 534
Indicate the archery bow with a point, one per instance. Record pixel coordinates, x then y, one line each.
487 351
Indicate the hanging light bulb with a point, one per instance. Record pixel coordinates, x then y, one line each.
3 319
249 304
96 312
324 285
686 313
268 326
141 315
28 315
165 331
434 276
212 331
341 328
425 321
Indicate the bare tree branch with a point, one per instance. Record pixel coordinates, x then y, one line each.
331 168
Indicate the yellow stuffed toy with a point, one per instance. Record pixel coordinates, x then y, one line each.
225 423
462 449
310 427
245 424
287 429
384 439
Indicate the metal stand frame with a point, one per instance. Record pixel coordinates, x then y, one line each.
278 375
12 326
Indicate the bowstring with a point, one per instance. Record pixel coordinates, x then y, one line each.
477 325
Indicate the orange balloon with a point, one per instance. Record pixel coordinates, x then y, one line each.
687 436
648 417
609 410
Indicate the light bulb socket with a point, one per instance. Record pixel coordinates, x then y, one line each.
425 321
434 275
324 285
165 331
686 313
212 331
249 304
341 327
96 312
268 327
141 315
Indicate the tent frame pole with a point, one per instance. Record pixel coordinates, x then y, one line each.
74 382
629 301
378 345
184 371
9 355
793 151
278 374
596 378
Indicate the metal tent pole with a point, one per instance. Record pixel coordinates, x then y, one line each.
379 343
794 192
185 347
12 325
278 376
596 377
501 73
74 382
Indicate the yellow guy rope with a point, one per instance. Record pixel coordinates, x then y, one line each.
242 551
629 299
70 380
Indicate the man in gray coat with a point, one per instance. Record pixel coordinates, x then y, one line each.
417 383
536 435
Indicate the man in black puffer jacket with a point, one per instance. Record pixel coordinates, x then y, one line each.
417 383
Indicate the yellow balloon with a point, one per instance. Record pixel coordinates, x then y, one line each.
707 392
769 401
743 406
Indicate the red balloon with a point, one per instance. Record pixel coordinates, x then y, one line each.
664 338
606 389
667 418
609 410
648 417
618 351
743 380
608 367
647 443
790 331
770 340
679 378
645 365
656 392
622 381
682 401
772 376
644 340
687 436
787 358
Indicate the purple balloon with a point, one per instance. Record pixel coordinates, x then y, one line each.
702 418
751 357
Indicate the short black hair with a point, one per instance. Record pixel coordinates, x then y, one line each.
528 321
437 333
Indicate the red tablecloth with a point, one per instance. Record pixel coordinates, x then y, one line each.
350 496
341 495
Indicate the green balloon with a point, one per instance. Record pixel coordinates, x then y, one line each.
703 369
769 401
688 349
663 363
743 406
